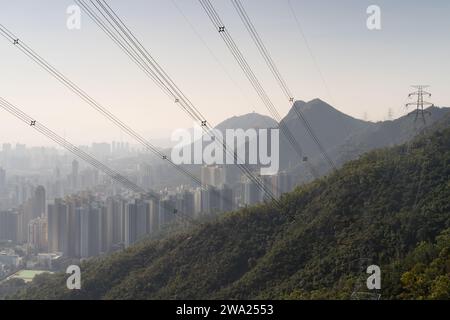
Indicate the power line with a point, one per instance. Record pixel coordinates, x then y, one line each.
261 47
276 73
119 26
195 31
310 51
30 53
140 62
113 26
41 128
420 103
211 52
61 141
242 62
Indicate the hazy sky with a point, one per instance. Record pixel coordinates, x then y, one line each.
366 71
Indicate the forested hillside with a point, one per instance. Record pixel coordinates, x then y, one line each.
389 208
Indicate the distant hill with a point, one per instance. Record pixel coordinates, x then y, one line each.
388 208
247 121
331 126
344 138
385 134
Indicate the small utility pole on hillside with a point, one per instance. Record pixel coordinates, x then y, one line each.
420 103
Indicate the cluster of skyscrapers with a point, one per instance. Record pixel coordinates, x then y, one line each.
87 224
52 204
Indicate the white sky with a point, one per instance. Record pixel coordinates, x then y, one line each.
366 71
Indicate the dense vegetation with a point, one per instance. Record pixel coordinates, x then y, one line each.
389 208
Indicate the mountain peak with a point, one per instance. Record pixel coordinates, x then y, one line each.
318 103
316 106
317 100
247 121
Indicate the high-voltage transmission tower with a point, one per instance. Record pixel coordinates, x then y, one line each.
420 103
